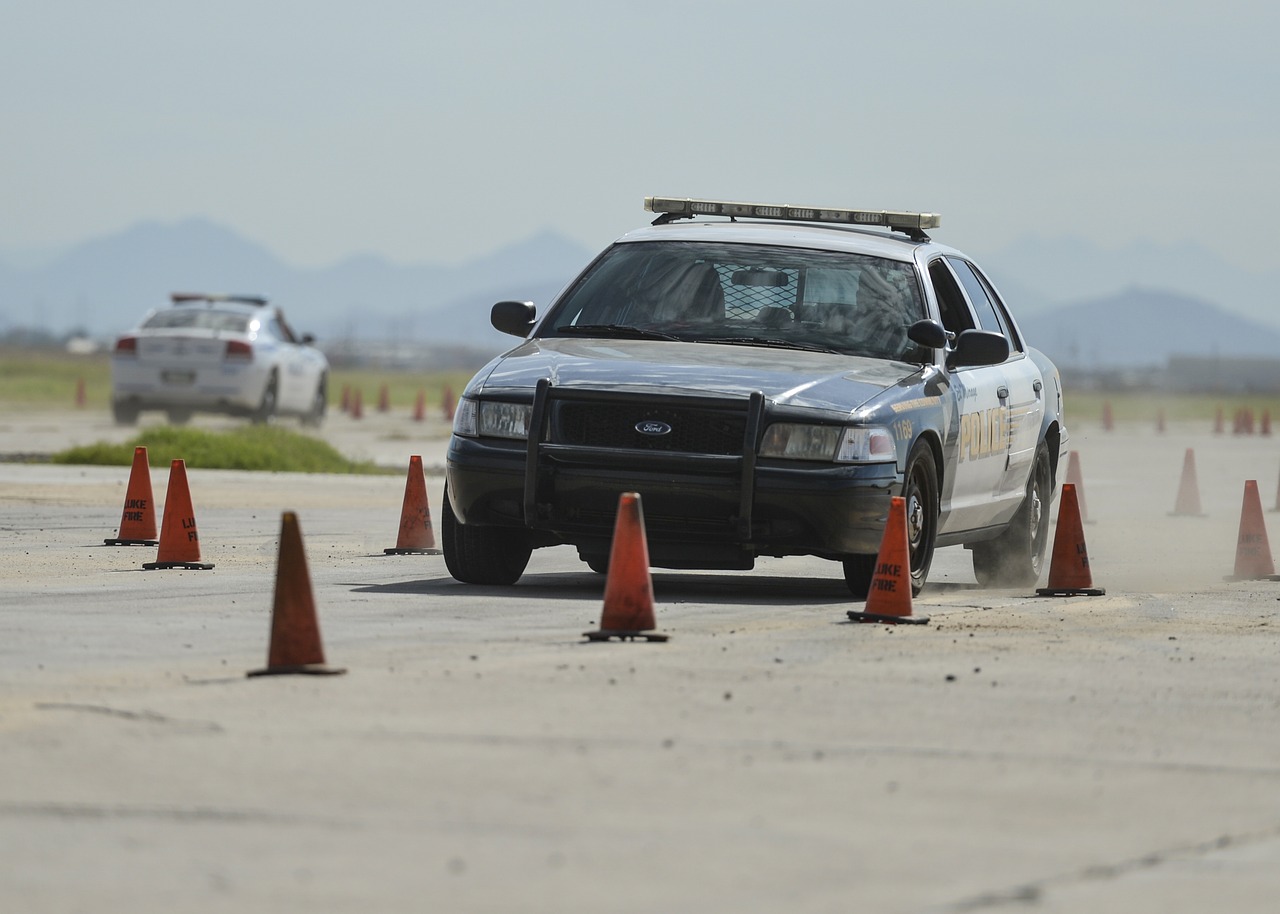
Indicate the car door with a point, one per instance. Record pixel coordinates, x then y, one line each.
1022 393
976 449
297 369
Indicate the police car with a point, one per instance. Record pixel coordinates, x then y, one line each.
232 354
767 378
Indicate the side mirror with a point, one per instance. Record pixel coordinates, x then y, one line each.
928 333
978 347
514 317
308 339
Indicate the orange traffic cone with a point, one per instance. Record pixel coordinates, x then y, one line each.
179 540
138 522
1253 550
1108 422
889 600
447 403
1076 479
357 405
628 590
80 398
420 407
1069 574
1188 503
384 399
295 631
415 536
1217 421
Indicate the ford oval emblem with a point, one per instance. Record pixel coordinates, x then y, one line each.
653 428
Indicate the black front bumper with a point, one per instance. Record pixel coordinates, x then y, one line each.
700 510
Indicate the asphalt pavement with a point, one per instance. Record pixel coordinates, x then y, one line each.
1112 753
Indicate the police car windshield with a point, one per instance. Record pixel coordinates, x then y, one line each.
748 294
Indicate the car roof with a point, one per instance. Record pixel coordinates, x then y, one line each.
891 246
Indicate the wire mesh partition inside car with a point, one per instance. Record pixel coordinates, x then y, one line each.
744 301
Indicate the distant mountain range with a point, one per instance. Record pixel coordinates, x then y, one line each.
1085 306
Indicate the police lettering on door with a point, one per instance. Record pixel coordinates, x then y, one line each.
984 433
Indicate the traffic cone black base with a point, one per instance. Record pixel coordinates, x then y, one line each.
131 542
855 616
191 566
313 670
624 636
1071 591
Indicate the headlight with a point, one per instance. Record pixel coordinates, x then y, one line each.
791 441
492 419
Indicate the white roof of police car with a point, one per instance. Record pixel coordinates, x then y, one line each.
891 246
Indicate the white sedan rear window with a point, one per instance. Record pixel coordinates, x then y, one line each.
198 318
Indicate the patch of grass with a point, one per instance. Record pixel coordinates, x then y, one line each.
50 378
254 447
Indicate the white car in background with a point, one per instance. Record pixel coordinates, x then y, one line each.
230 354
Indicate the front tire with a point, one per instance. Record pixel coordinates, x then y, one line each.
858 572
482 555
1016 557
124 413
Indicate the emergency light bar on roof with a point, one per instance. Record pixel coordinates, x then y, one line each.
913 224
186 298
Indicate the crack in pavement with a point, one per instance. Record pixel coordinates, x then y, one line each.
145 716
1029 893
184 814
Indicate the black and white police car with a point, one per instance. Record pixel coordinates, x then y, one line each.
216 353
767 378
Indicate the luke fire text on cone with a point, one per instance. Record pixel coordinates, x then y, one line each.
138 521
295 631
1069 574
179 539
628 592
889 599
416 536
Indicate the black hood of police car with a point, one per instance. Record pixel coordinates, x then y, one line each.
792 378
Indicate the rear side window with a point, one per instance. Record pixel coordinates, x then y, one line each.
988 315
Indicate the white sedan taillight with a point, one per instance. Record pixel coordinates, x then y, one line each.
238 350
127 346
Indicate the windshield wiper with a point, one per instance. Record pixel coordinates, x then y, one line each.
621 330
771 342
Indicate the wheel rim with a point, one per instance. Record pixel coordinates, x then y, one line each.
1036 516
918 521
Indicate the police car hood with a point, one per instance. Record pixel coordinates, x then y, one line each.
798 378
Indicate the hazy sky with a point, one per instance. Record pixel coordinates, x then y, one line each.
428 132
